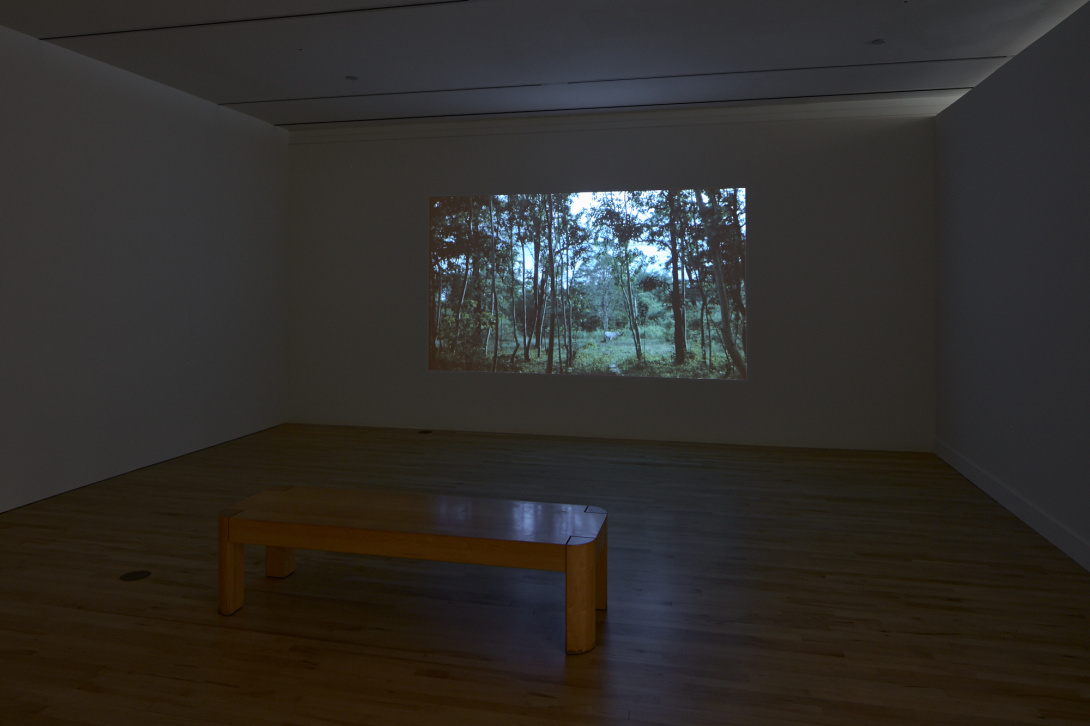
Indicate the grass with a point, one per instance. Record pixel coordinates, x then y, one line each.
595 356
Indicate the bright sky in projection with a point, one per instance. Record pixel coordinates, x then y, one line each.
658 257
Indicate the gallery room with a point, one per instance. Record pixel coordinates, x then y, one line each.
795 294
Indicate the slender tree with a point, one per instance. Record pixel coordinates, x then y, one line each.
511 236
677 302
717 233
627 231
551 271
494 324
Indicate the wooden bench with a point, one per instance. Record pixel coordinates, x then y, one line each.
560 537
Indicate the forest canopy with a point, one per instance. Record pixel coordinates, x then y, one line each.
631 283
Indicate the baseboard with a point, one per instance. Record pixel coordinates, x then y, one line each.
1073 544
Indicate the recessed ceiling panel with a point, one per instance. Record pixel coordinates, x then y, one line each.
299 61
63 18
626 94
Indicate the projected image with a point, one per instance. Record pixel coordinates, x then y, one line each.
633 283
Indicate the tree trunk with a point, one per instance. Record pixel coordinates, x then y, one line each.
514 308
458 310
495 300
719 274
525 308
436 308
552 283
704 356
629 297
570 309
537 295
475 325
675 289
478 295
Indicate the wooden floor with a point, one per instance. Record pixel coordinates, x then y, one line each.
747 586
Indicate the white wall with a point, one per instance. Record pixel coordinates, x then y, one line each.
141 272
1014 361
841 276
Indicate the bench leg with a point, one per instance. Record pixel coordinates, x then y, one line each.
231 569
279 561
600 572
580 595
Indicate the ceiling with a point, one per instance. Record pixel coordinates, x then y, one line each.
324 61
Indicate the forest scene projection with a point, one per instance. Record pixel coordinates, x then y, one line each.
632 283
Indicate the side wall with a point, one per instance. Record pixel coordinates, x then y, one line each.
141 272
840 276
1014 362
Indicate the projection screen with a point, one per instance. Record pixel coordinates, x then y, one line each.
646 283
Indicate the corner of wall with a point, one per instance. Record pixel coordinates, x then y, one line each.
1070 542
